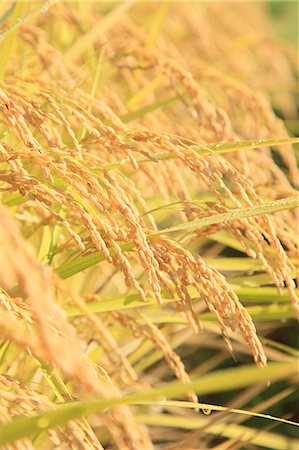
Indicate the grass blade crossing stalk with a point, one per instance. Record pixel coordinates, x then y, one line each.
82 263
217 382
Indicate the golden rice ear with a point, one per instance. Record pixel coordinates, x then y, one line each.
147 190
213 289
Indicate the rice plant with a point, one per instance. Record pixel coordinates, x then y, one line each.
148 225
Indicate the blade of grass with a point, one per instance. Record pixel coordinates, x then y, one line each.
9 35
240 213
83 130
284 348
8 13
206 149
137 98
19 20
90 38
156 24
132 301
55 237
147 109
207 406
257 313
261 438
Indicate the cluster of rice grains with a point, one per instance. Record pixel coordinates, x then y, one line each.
86 148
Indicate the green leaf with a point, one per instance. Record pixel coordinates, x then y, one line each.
8 13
